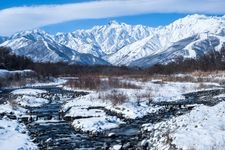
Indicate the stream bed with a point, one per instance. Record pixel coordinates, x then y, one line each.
49 130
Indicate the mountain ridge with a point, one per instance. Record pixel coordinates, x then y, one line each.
122 44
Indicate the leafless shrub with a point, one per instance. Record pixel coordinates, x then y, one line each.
12 101
174 78
117 98
145 96
116 83
169 140
204 86
97 83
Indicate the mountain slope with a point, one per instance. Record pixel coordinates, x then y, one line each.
123 44
165 37
104 40
192 47
40 46
2 39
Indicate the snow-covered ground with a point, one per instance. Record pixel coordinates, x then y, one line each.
6 73
32 92
109 108
97 124
29 97
135 103
31 101
201 129
13 136
56 82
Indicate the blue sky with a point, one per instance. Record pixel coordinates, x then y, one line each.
152 20
69 15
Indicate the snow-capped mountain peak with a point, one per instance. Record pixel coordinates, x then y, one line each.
124 44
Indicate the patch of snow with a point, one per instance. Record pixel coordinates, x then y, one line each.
84 112
33 92
6 73
117 147
31 101
13 136
203 129
220 96
8 108
5 108
56 82
97 124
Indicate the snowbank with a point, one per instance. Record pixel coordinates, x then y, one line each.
31 101
97 124
13 136
201 129
28 92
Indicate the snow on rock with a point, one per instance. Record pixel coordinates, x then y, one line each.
85 112
31 101
8 108
220 96
29 97
13 136
97 124
33 92
5 108
202 129
117 147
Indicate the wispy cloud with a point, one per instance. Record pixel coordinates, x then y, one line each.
23 18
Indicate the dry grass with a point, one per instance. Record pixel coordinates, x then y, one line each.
204 86
12 101
98 83
196 77
11 82
145 96
116 83
87 82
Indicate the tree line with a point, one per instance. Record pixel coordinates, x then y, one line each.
11 61
208 62
213 61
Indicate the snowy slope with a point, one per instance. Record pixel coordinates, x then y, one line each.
123 44
40 46
209 33
2 39
103 40
192 47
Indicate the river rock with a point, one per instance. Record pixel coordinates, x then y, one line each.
144 143
112 135
117 147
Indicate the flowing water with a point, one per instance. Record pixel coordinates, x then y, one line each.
50 130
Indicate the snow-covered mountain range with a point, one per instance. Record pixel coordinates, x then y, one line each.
123 44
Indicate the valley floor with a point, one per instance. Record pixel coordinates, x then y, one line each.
118 113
